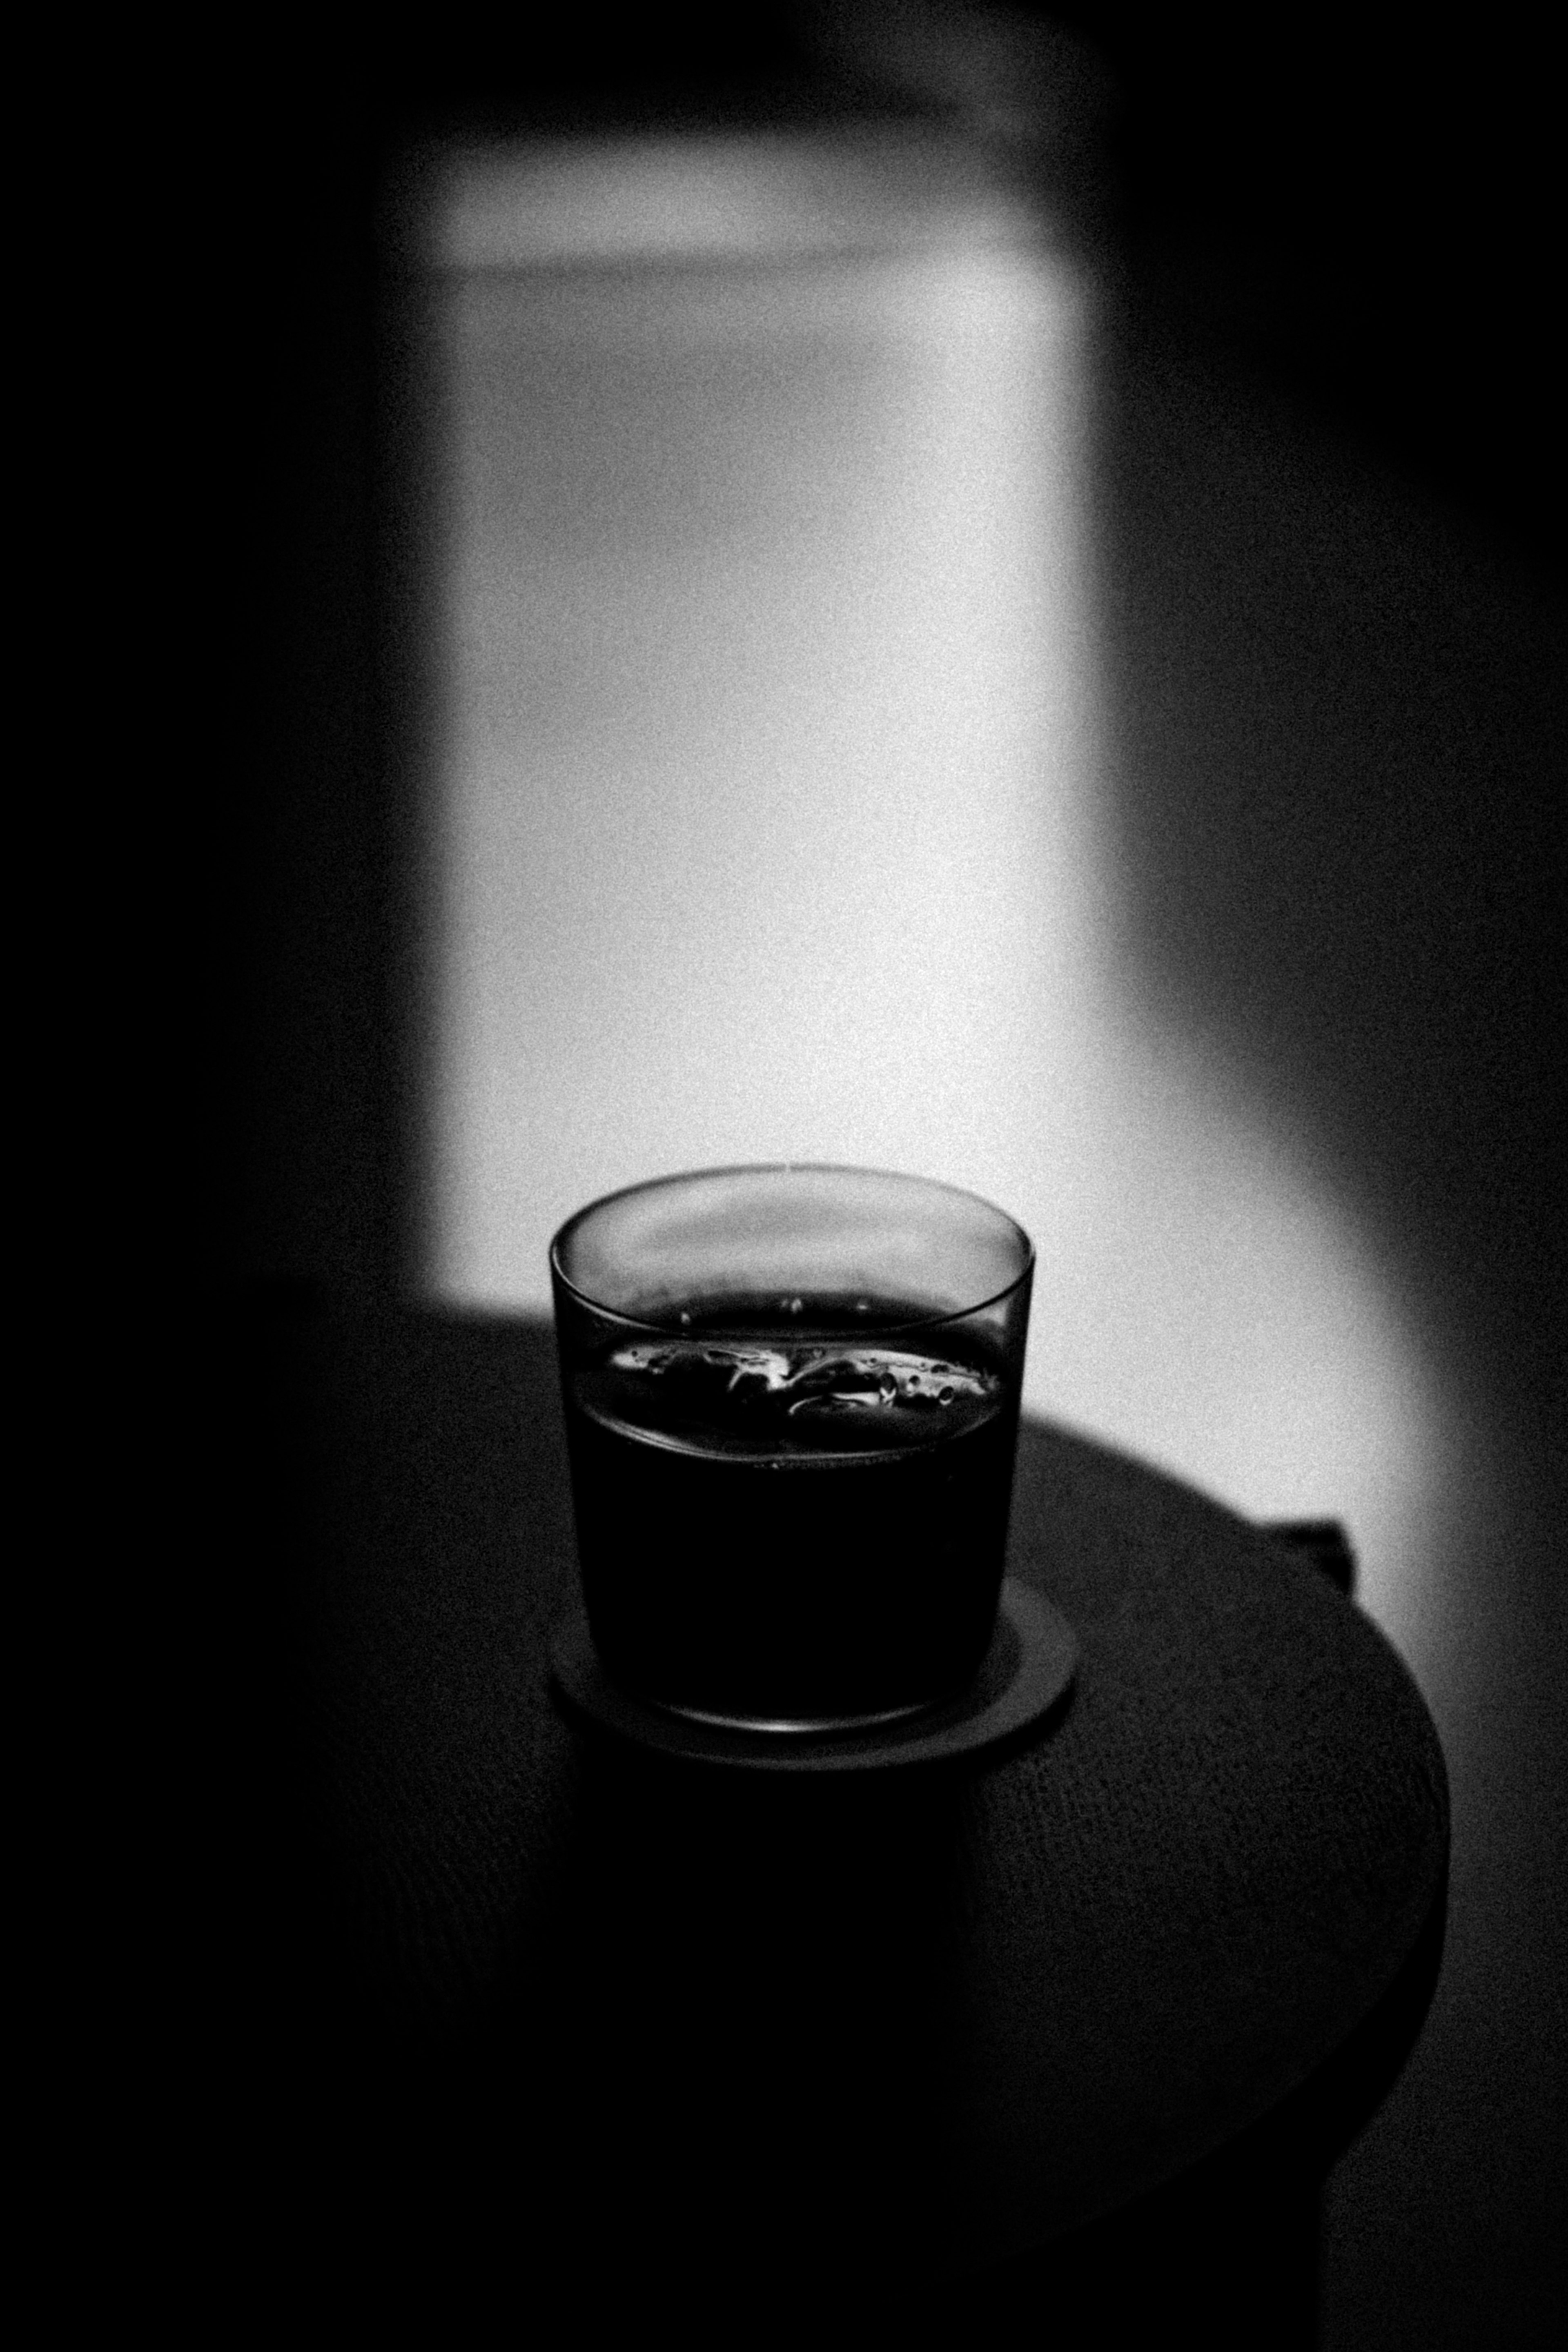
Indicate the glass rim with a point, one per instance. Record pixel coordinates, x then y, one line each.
789 1167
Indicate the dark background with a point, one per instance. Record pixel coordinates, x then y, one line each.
1346 227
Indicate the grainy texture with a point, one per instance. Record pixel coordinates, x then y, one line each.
569 1996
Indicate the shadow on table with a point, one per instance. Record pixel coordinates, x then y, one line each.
517 2004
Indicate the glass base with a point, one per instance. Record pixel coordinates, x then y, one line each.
1022 1679
807 1726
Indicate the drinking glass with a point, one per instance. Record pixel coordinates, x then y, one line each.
792 1400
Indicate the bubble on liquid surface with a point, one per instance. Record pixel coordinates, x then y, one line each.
808 1381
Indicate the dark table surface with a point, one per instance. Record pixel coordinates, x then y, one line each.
600 2011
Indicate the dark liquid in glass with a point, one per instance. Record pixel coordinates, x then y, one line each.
791 1513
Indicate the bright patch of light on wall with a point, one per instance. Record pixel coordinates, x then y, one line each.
771 772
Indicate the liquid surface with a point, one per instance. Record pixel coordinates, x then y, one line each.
777 1398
